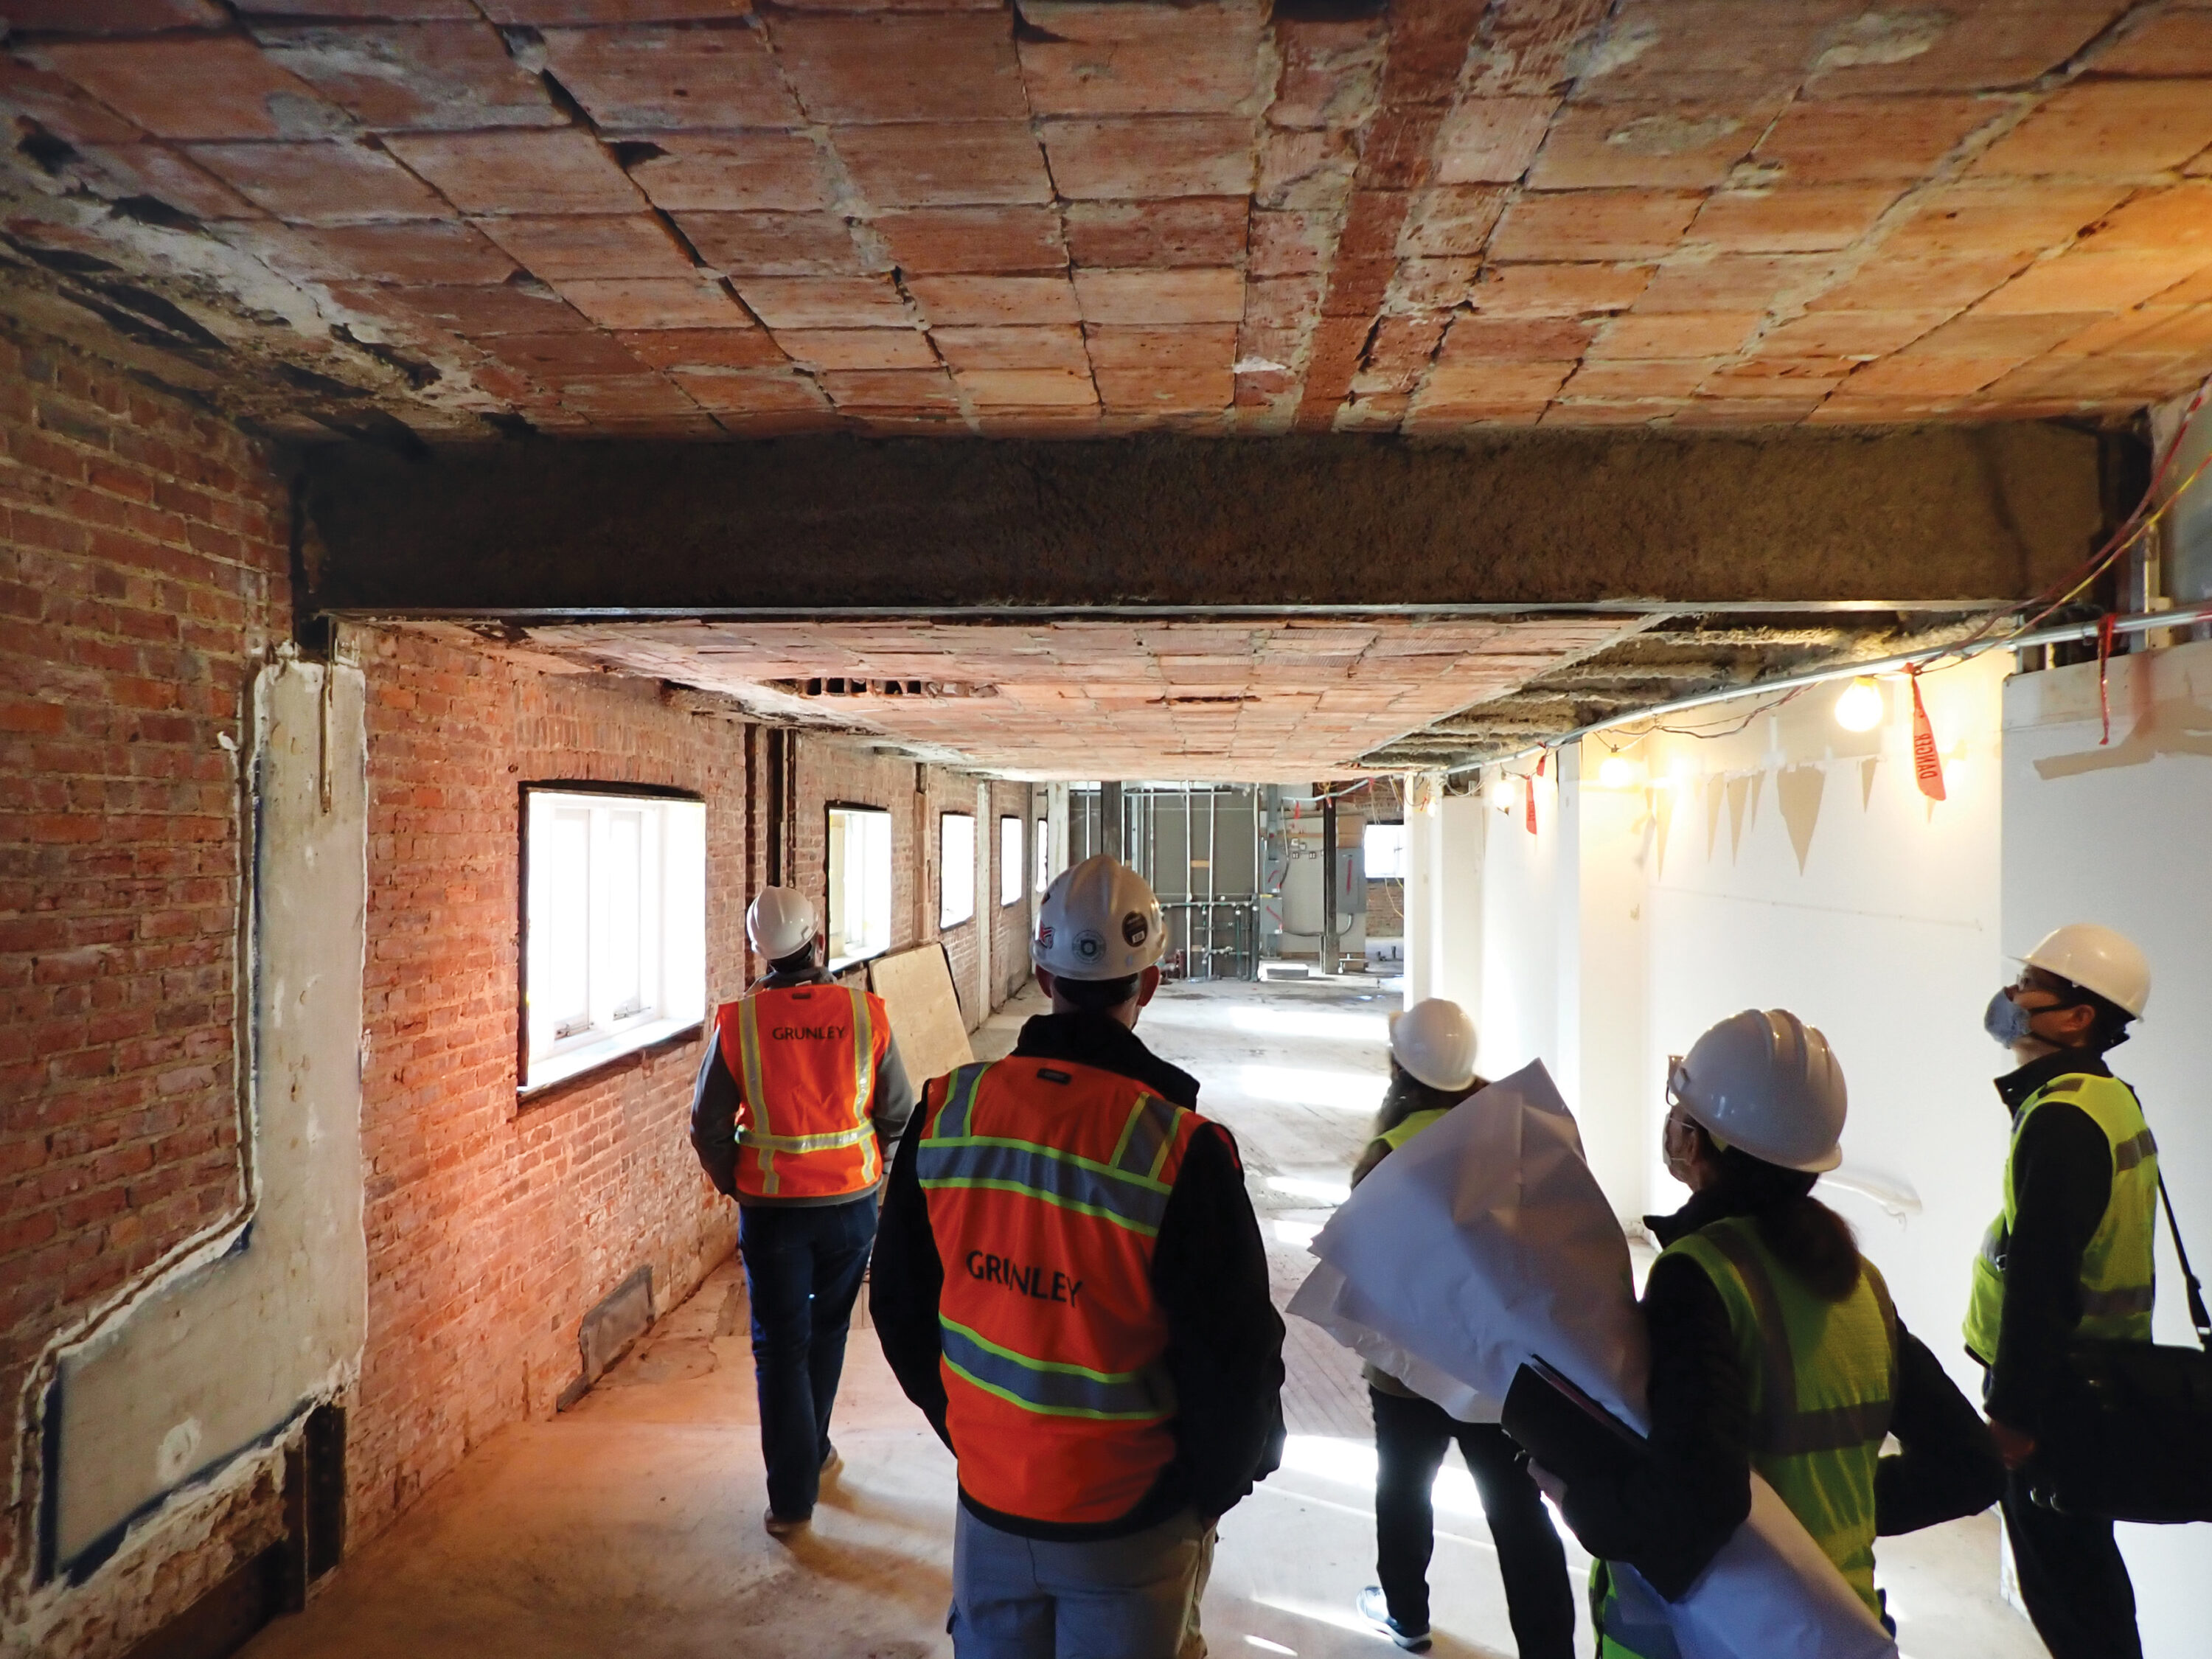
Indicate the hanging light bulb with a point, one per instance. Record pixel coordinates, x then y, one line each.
1615 772
1860 707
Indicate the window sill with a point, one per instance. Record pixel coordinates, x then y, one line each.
551 1073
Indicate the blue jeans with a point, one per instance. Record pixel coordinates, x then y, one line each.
803 1268
1113 1598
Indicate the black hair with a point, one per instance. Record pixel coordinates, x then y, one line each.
798 962
1806 1236
1407 1095
1094 996
2109 1028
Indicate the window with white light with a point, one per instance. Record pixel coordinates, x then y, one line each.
859 924
956 868
1043 844
1385 847
614 927
1010 861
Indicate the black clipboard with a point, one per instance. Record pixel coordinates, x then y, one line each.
1561 1427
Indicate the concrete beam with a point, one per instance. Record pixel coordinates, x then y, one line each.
1928 517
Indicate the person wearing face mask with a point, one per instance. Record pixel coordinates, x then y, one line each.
2069 1257
1774 1347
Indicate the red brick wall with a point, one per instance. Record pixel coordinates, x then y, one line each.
143 565
837 770
493 1227
834 772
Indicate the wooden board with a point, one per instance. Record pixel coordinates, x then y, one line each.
916 987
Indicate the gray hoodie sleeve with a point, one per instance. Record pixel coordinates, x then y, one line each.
892 1103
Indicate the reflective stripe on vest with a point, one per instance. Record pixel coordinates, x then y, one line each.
1823 1382
806 1130
2118 1272
1046 1182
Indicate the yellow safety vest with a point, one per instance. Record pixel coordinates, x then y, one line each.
1409 1126
2116 1268
1823 1383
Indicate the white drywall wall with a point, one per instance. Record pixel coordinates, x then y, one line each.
1525 886
1461 843
1643 910
2118 832
272 1315
1796 865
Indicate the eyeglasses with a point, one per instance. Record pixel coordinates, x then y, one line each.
1675 1078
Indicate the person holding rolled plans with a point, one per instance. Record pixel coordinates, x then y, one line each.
1774 1347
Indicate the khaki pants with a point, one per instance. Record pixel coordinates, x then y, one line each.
1118 1598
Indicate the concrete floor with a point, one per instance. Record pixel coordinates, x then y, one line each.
630 1525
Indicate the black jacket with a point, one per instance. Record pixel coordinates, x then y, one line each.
2061 1179
716 1097
1670 1519
1225 1348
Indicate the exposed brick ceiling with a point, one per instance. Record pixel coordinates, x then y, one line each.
1260 702
699 217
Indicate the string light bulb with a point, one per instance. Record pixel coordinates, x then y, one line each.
1860 707
1615 772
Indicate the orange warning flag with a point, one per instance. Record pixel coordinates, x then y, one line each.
1529 784
1927 764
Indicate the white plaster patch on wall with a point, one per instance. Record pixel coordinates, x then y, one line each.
217 1355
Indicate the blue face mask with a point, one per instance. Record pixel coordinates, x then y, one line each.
2006 1021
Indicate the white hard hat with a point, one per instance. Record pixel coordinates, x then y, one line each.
1434 1041
1770 1083
779 922
1099 921
2096 959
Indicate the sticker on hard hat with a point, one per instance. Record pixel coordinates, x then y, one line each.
1044 937
1135 930
1090 945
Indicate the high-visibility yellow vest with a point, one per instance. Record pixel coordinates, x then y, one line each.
1823 1382
2116 1268
1409 1126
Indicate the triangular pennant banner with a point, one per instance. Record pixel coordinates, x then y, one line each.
1529 784
1927 764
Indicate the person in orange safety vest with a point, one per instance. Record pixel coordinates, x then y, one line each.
1073 1287
800 1099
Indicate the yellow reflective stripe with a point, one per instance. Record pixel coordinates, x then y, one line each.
755 1097
821 1143
864 1080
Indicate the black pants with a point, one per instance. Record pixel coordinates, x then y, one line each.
803 1269
2072 1577
1411 1438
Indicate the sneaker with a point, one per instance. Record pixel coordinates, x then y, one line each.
1376 1609
832 1463
782 1526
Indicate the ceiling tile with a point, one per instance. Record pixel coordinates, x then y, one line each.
519 172
734 172
973 162
393 76
653 80
950 66
208 87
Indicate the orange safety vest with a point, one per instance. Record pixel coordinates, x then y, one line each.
806 1058
1046 1181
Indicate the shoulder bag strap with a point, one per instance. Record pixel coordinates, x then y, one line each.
2197 1317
